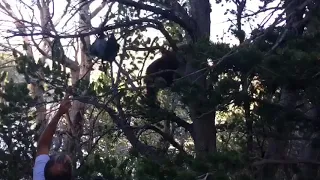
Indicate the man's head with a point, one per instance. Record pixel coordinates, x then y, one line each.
59 167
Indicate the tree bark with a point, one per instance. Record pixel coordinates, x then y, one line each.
35 88
310 171
247 114
78 108
202 117
277 146
200 12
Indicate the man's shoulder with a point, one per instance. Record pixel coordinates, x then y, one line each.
42 157
40 163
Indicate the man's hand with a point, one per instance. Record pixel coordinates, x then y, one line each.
64 106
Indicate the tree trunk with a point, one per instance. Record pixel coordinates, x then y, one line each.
247 114
205 134
312 148
277 146
203 118
78 108
310 171
45 25
200 12
35 88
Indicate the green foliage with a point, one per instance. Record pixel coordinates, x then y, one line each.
106 167
54 77
222 165
16 134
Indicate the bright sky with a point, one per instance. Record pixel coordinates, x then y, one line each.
219 24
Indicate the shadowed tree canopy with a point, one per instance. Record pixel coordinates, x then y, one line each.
242 105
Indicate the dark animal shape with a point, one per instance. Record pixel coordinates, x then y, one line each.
168 63
106 50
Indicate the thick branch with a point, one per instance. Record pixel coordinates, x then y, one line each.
174 118
98 9
93 32
168 14
166 137
144 149
134 48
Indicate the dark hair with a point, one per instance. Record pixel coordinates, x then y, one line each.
64 174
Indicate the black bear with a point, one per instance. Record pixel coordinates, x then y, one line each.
165 67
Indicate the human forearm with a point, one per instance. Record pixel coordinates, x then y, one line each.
47 135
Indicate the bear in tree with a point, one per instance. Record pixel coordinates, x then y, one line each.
163 68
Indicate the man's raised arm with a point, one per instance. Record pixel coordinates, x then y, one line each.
46 137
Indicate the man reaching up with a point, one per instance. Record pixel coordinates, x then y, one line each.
56 167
